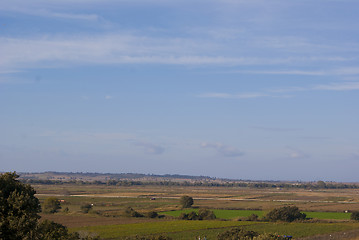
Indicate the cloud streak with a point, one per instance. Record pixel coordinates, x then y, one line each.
224 150
150 147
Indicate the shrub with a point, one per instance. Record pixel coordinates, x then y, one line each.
85 208
286 214
253 217
355 216
152 214
51 205
130 212
205 214
241 234
237 234
186 201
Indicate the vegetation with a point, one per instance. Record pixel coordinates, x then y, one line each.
355 216
19 217
51 205
130 212
85 208
286 214
186 201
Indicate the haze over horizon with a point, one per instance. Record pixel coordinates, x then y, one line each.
230 89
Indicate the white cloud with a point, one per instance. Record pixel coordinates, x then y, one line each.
222 149
296 153
234 96
108 97
150 147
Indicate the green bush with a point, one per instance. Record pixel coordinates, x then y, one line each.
51 205
355 216
130 212
152 214
286 214
85 208
186 201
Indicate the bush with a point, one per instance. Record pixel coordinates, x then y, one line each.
186 201
152 214
286 214
253 217
130 212
205 214
241 234
355 216
237 234
85 208
51 205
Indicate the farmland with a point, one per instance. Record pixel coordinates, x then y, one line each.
325 207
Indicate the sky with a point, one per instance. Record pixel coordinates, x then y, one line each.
260 90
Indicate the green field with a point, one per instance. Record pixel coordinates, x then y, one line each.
123 230
231 214
184 230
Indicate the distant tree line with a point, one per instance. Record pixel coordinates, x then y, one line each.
121 182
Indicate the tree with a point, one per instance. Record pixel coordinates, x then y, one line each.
19 208
51 205
205 214
19 218
186 201
355 216
287 214
85 208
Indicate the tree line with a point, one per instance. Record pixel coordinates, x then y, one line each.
115 182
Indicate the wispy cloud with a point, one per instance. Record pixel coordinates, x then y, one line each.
337 86
150 147
234 96
108 97
276 129
296 153
224 150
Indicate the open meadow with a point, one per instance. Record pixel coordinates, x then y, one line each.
231 205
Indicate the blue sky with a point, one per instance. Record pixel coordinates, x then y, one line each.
236 89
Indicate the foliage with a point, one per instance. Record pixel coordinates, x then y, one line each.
156 237
152 214
355 216
49 230
203 214
286 214
19 208
252 217
242 234
51 205
85 208
237 234
130 212
186 201
19 217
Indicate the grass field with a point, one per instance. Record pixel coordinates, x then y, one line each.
184 230
109 203
231 214
123 230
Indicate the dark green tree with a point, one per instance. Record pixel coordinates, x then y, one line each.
206 214
51 205
19 209
85 208
355 216
186 201
286 214
19 219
